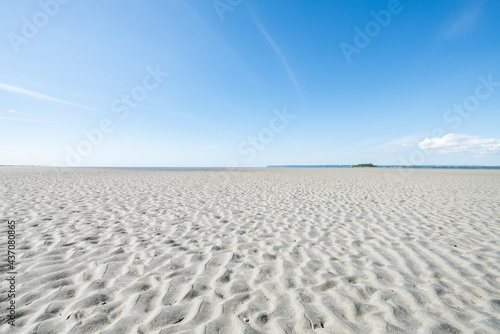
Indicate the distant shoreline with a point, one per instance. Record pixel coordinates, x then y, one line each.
269 166
389 166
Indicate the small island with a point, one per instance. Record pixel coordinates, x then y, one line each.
363 165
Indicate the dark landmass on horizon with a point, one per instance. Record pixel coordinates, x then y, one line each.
370 165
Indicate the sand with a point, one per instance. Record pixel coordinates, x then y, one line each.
253 251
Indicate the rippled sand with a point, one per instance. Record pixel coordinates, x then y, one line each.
254 251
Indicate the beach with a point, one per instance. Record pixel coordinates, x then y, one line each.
257 250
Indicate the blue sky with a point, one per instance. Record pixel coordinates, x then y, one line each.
249 83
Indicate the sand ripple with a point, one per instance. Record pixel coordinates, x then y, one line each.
254 251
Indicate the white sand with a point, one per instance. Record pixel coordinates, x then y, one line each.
291 250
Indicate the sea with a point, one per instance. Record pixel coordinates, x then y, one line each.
390 166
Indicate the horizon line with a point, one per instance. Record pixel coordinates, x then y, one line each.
267 166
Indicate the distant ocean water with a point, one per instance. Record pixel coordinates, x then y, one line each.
281 166
388 166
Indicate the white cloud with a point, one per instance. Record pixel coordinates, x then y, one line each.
12 111
36 95
454 143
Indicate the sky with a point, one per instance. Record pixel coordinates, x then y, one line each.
230 83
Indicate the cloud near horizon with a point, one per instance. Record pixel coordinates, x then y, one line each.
456 143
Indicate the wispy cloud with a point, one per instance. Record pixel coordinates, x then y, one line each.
12 111
455 143
12 153
208 147
29 120
466 19
20 90
397 143
280 56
